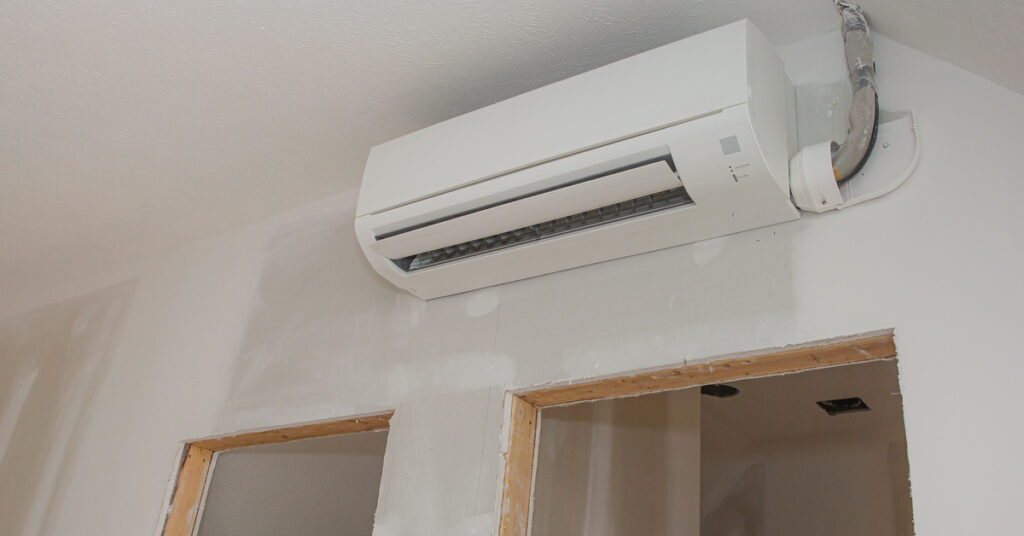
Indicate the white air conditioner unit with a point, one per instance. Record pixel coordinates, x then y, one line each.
685 142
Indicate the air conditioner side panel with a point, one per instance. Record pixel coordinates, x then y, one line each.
772 106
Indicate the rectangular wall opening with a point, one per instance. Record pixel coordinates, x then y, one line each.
749 457
315 487
315 479
802 441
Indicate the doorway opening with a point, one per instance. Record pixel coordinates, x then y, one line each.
806 440
315 478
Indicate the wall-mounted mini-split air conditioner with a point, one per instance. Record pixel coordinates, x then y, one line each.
685 142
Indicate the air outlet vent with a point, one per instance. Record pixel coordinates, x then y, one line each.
646 204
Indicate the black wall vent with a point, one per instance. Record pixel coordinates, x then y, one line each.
843 405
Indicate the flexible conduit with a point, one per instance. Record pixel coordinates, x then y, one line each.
849 157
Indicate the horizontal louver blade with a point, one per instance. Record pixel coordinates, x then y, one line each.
610 187
646 204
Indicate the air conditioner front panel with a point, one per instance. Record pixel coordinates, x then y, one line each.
674 83
717 159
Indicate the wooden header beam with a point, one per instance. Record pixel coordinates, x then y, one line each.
292 433
778 362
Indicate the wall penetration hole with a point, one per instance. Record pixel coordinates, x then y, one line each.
719 390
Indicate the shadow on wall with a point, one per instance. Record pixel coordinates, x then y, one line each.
650 309
742 510
314 319
52 362
620 466
327 336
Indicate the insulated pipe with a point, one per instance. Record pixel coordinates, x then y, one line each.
848 157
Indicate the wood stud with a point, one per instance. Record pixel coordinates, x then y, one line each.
515 512
181 516
778 362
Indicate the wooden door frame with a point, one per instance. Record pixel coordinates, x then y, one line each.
526 405
197 457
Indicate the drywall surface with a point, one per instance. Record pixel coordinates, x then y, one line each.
204 349
775 464
52 362
315 487
615 467
816 485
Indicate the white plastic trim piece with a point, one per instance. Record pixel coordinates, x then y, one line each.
892 149
813 185
812 181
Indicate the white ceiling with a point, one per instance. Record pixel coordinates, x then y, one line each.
130 127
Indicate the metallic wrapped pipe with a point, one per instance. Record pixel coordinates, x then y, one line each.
848 157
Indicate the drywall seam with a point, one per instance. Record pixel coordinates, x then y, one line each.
13 410
169 489
47 491
91 324
485 453
504 438
599 467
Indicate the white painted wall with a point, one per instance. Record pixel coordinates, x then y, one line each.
840 486
617 467
812 485
315 487
282 321
775 464
53 362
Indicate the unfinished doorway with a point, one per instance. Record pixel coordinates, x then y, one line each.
819 452
730 447
312 479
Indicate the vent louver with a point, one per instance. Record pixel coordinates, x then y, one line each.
646 204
